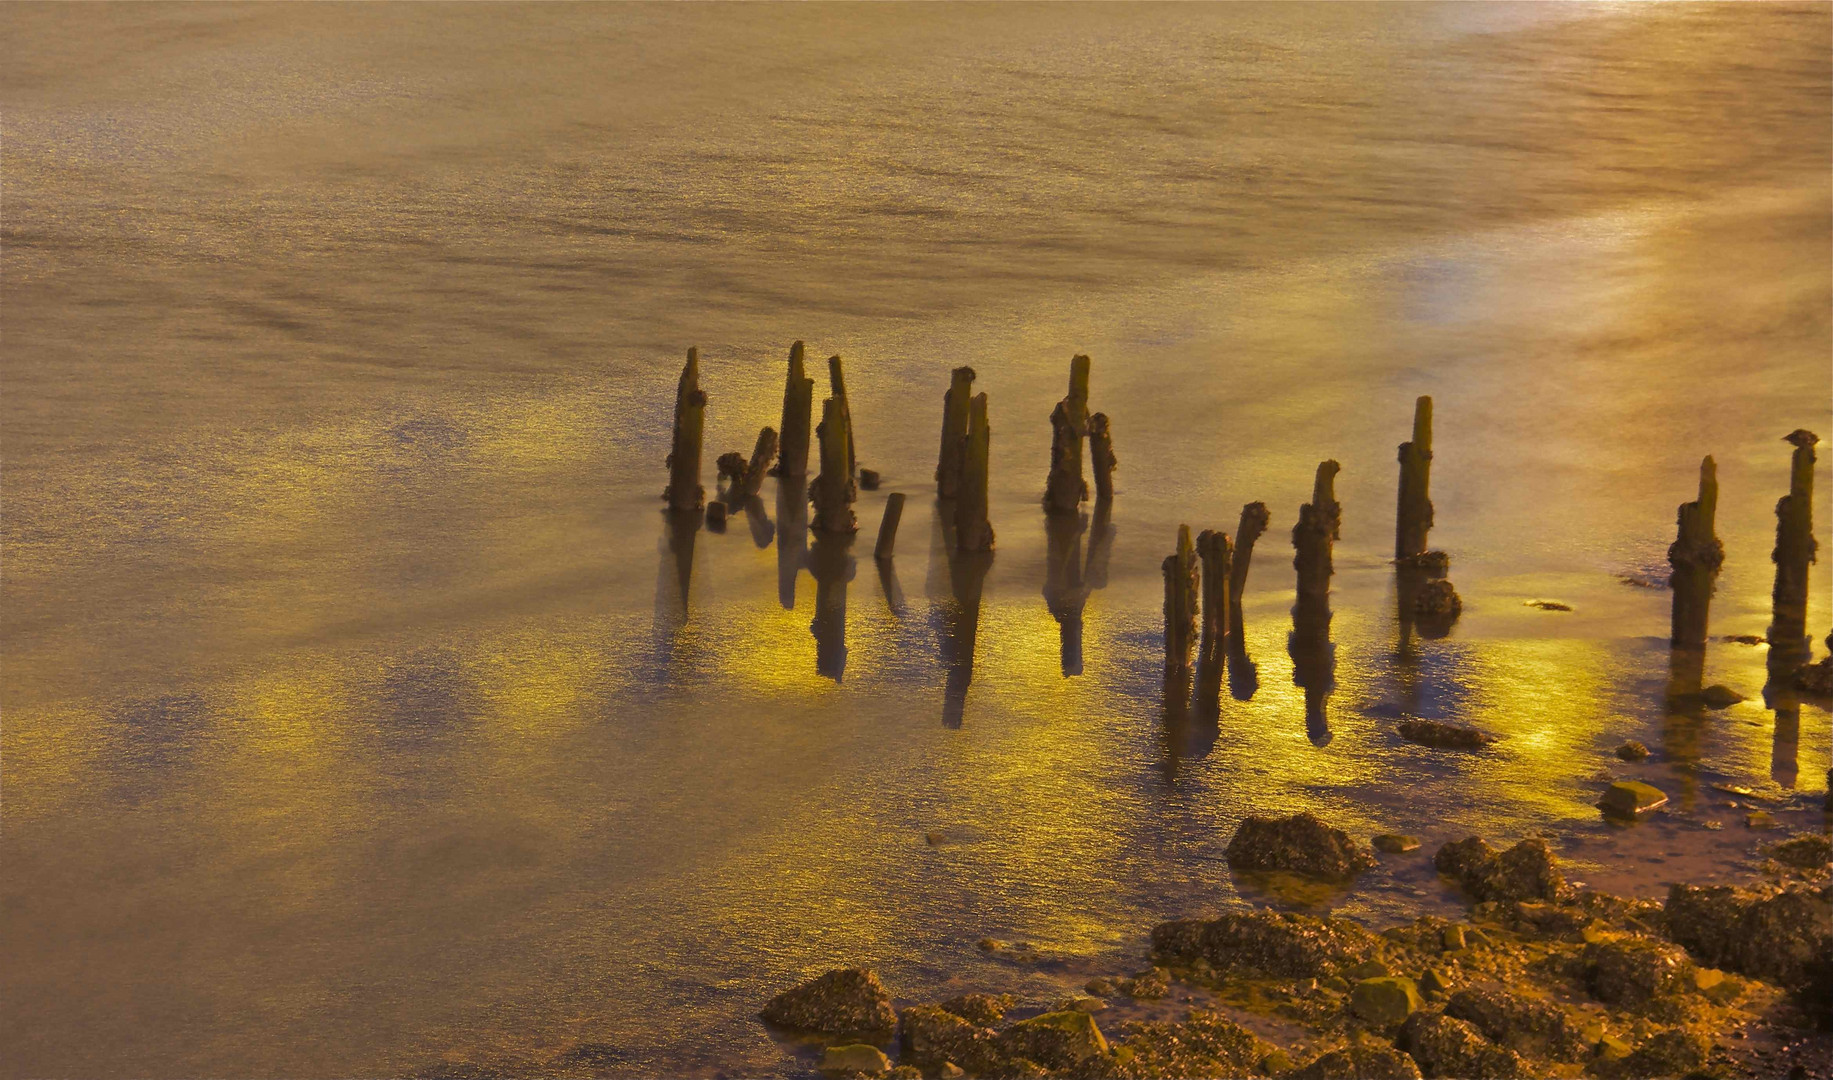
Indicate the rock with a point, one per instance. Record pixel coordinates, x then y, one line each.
905 1072
1434 983
1281 944
1442 736
844 1002
1055 1040
1396 844
1446 1046
1759 819
1276 1063
1526 1025
1816 678
1526 871
1362 1061
1432 562
1384 1002
983 1010
934 839
1632 751
1437 599
1771 934
1628 798
1300 844
1367 969
1101 987
1012 952
1631 972
1548 605
1805 852
951 1071
1745 639
1151 984
1452 938
1082 1003
931 1036
1675 1052
868 480
716 516
1719 696
855 1058
1206 1044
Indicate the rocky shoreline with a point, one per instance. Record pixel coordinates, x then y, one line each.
1541 979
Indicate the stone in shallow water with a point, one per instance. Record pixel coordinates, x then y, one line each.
983 1009
1396 843
1804 852
1632 751
855 1058
1055 1040
845 1001
1627 798
1526 871
1719 696
1446 1046
1301 844
1363 1061
1441 736
1384 1002
1275 943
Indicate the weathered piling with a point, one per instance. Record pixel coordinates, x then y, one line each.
798 408
833 493
887 526
1318 524
1181 601
1254 519
954 430
972 530
762 455
1065 490
1696 555
1795 546
684 490
1413 519
1101 455
1217 554
836 381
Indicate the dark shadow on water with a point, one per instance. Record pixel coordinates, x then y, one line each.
1784 700
762 530
1314 662
1684 720
831 562
1243 673
959 629
674 579
1064 591
792 537
1188 735
888 583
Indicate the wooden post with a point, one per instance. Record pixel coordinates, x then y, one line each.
887 526
684 490
1066 490
1101 455
1413 519
972 530
1318 523
1795 545
954 429
1217 552
837 381
832 492
798 408
751 477
1254 520
1696 554
1180 601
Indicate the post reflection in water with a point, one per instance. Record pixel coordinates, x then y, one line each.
1314 661
1683 727
960 625
894 592
792 536
831 562
1068 580
1781 696
762 531
1187 738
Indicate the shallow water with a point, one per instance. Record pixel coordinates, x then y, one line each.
356 716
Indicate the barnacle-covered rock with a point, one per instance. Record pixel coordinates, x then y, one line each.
848 1001
1446 1046
1526 871
1276 943
1631 972
1301 844
1769 933
1205 1044
986 1010
1055 1040
1360 1061
932 1036
1524 1024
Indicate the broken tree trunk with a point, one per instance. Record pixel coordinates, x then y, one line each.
1413 520
798 408
1181 588
887 526
1101 455
684 490
747 483
1695 555
1065 490
1318 522
832 492
1794 549
954 429
1254 519
1217 552
837 381
972 530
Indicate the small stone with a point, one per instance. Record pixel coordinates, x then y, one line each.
1719 696
1629 798
855 1058
1548 605
1336 983
1396 843
1300 844
1611 1048
716 516
868 480
934 839
1385 1001
1744 639
1452 937
1441 736
951 1071
1055 1040
1275 1064
1805 852
1632 751
1101 987
1759 819
1712 824
1432 982
1081 1003
985 1010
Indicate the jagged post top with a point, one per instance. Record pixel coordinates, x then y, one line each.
1078 377
1254 519
1323 489
1422 424
796 354
836 378
1708 490
1801 472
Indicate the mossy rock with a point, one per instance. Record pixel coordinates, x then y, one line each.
1384 1001
1396 843
1630 798
855 1058
1056 1040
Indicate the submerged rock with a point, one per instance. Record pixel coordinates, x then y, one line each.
855 1058
1772 934
1631 972
1396 843
1300 844
1449 1047
1719 696
843 1002
932 1036
1437 599
1526 871
1385 1001
1443 736
1206 1044
1632 751
1676 1052
1628 798
1816 678
985 1010
1362 1061
1055 1040
1808 851
1276 943
1523 1024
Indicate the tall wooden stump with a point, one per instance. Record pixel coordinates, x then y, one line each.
1101 455
1794 551
1254 520
1065 490
1181 602
1317 528
954 430
1217 553
798 408
1413 520
833 492
684 490
1696 556
751 477
836 381
972 530
887 526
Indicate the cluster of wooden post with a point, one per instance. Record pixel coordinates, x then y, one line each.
1319 522
963 461
1181 601
1065 490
